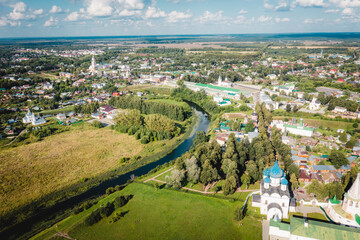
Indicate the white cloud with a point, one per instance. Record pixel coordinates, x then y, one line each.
74 16
175 16
51 22
309 3
282 20
105 8
55 9
346 3
308 20
210 17
38 11
29 25
264 19
3 21
243 11
152 12
332 11
18 12
280 5
241 19
99 8
128 13
348 11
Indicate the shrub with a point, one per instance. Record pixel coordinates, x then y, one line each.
107 210
239 214
122 200
97 124
93 218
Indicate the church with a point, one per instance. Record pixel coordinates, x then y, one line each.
92 67
34 120
347 212
274 199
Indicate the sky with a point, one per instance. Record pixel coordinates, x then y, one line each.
57 18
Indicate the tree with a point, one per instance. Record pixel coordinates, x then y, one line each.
97 124
355 125
129 118
176 178
288 108
245 179
335 189
343 137
239 214
229 167
317 188
200 137
159 123
338 159
208 173
180 83
351 143
230 185
252 170
249 127
308 148
294 182
192 169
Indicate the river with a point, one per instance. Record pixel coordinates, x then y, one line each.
21 229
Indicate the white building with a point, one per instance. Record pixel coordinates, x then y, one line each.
315 104
269 104
274 199
297 129
339 109
347 212
92 67
34 120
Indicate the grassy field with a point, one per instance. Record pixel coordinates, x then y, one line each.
163 214
56 111
318 216
183 104
30 172
324 123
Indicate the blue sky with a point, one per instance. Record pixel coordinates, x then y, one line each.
42 18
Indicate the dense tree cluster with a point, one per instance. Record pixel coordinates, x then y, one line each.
87 108
149 128
200 98
175 112
241 162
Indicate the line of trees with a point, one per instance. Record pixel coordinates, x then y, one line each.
87 108
175 112
200 98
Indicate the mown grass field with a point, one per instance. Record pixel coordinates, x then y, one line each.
56 111
324 123
163 214
183 104
30 172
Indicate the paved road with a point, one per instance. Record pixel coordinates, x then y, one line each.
308 209
265 229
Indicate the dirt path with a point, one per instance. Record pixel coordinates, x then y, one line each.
16 137
153 178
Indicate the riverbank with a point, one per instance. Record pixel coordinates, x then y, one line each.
91 188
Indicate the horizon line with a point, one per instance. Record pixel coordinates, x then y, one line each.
174 35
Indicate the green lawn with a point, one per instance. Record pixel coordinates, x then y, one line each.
170 101
324 123
318 216
56 111
164 214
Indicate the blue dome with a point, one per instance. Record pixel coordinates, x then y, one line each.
267 180
265 172
275 171
284 181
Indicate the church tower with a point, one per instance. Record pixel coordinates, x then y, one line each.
92 67
219 81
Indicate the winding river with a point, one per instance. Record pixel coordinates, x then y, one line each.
19 230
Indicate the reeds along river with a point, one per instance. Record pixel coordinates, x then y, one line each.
21 230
